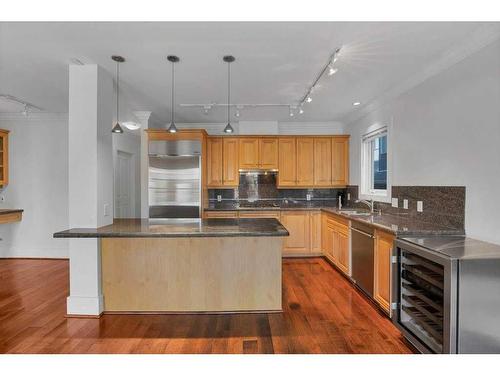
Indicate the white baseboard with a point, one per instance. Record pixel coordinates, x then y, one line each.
76 305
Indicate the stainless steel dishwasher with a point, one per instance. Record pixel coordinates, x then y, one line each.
362 241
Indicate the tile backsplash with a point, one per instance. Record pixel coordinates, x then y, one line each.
263 186
441 204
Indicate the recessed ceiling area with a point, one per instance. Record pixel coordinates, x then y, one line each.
276 62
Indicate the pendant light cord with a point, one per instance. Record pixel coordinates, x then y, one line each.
173 83
228 89
117 92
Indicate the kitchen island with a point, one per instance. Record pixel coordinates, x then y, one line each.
188 265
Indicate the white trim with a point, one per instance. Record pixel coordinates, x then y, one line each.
76 305
480 38
376 130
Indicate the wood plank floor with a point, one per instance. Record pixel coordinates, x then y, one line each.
323 313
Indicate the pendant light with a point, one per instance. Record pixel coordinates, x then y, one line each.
117 128
229 59
173 59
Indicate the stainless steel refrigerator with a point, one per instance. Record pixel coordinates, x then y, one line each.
174 179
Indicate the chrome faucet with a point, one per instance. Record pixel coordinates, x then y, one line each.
368 203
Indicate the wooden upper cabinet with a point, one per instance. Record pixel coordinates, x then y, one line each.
340 161
214 161
287 175
249 153
230 165
268 153
4 157
322 162
382 264
305 162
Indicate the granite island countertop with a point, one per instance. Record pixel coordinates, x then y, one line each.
399 225
181 228
5 211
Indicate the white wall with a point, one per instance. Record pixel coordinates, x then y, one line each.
38 163
270 127
446 131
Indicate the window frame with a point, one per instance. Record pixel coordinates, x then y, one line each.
366 191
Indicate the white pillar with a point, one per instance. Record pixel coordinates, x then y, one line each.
143 117
90 181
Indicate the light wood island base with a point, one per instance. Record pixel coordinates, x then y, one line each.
217 274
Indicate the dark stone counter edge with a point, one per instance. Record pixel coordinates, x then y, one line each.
5 211
169 235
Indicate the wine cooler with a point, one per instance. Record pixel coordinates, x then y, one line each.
446 298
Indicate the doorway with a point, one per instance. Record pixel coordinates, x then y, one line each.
124 185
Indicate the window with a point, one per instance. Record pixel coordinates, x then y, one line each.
374 183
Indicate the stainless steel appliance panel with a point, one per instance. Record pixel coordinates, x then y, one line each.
362 242
174 179
479 306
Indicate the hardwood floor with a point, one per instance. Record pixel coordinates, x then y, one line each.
323 313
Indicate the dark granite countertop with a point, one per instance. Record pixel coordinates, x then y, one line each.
181 228
457 247
5 211
270 205
398 225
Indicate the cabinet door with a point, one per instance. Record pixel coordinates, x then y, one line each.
249 153
342 258
305 162
382 272
297 223
287 175
230 174
322 162
268 153
315 218
340 161
214 161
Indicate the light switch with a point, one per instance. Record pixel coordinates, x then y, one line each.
405 204
395 202
420 206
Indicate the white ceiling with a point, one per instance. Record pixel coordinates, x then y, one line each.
275 62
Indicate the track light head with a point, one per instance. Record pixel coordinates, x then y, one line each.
309 99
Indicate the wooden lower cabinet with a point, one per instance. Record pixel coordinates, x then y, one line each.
382 272
298 225
315 219
260 214
336 242
220 214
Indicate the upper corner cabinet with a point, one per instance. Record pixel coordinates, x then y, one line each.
4 157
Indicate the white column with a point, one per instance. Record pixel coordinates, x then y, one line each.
143 117
90 181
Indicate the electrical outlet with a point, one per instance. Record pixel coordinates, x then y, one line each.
420 206
106 209
348 196
308 197
219 198
395 202
405 204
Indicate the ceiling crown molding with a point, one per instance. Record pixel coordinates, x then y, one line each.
477 40
34 116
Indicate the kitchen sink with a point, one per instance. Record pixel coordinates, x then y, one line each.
355 213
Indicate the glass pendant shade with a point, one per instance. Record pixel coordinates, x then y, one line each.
228 128
117 129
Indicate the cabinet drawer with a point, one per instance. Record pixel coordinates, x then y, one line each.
260 214
220 214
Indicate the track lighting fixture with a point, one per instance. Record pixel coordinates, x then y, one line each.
329 69
173 59
228 59
301 110
117 128
25 110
